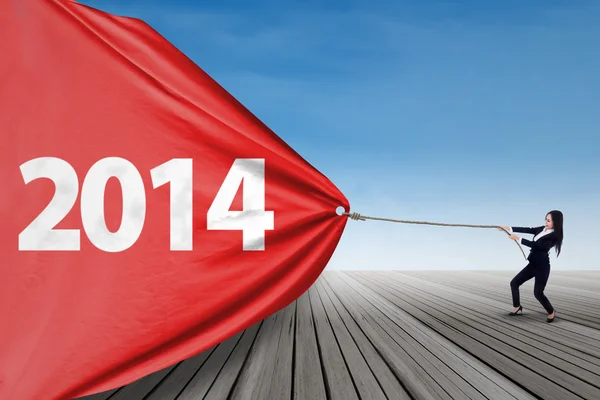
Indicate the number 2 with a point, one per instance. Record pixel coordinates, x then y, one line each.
39 234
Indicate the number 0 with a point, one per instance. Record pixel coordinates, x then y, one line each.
92 204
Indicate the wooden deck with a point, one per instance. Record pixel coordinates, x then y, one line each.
403 335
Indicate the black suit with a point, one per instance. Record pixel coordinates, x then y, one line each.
538 267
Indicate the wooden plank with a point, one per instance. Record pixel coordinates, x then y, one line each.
570 308
402 335
414 377
559 278
469 343
581 327
582 274
472 304
561 329
206 375
363 377
260 362
174 383
486 315
100 396
389 382
140 388
563 294
569 361
280 386
308 376
479 375
550 382
501 282
338 382
576 302
503 294
466 371
225 381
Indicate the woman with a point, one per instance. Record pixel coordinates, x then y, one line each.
545 237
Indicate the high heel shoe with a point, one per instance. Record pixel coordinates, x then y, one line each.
551 319
513 313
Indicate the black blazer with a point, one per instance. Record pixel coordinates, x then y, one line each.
539 248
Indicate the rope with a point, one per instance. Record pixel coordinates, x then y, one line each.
357 217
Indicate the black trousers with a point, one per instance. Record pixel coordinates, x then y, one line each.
540 272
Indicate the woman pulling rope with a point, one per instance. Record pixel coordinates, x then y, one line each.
538 267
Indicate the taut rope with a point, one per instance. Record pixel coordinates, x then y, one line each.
357 217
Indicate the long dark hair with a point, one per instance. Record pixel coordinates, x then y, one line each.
557 220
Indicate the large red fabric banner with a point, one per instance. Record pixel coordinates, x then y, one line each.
146 215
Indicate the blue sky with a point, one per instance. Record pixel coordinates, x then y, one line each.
450 111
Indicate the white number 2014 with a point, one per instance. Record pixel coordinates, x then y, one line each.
41 235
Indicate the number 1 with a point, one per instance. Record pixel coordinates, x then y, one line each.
178 172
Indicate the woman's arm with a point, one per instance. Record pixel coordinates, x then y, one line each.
545 243
533 231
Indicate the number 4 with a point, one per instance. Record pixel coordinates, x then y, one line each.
253 220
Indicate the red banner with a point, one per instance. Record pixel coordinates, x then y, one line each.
146 215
